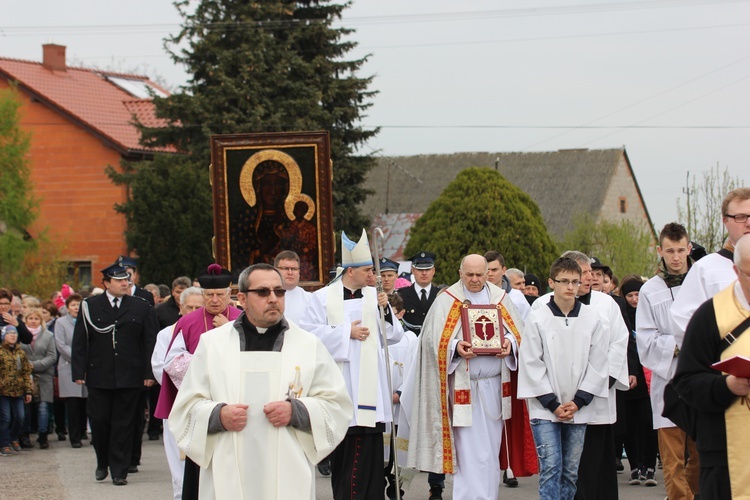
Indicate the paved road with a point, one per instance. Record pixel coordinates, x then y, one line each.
66 473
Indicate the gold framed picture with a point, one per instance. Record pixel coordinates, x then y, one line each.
272 192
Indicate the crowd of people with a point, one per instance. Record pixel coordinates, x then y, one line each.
491 379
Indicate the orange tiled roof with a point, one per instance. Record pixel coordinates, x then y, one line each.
87 96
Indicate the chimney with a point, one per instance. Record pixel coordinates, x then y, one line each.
53 57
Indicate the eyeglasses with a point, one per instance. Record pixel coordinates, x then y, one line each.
265 292
567 283
285 269
739 218
4 303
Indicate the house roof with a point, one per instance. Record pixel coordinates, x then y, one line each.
395 229
89 97
562 183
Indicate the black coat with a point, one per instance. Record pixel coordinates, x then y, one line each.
414 311
144 294
168 313
126 364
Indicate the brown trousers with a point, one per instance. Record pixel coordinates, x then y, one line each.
679 458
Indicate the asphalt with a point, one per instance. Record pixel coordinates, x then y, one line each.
62 472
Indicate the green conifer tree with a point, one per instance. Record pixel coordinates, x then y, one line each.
264 66
480 211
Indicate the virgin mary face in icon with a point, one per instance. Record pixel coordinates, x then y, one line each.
271 182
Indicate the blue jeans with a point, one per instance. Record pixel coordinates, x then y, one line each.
11 419
42 417
559 447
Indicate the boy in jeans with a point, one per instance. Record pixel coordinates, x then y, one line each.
562 366
15 389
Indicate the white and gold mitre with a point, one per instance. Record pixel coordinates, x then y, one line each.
355 255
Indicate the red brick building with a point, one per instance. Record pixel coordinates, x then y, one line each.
81 121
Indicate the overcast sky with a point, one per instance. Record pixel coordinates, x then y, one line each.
667 79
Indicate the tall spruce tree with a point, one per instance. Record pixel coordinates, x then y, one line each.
264 66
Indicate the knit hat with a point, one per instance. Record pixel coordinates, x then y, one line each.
630 286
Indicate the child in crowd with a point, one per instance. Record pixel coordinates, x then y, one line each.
562 366
401 354
15 389
42 354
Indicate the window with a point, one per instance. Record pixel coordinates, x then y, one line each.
623 205
79 274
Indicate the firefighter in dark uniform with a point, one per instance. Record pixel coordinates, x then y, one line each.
112 345
421 294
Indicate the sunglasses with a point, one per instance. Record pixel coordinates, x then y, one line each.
265 292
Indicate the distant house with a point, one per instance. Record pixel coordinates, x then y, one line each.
563 183
81 121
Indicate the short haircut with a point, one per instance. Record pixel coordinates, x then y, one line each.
183 281
741 194
165 291
188 292
34 311
6 294
396 302
579 257
515 272
608 272
51 308
151 288
73 297
674 232
494 255
243 282
30 301
564 264
285 255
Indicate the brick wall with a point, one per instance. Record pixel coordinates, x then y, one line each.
76 196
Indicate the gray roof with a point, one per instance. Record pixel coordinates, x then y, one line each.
563 183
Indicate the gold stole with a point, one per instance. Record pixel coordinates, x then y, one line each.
729 314
443 359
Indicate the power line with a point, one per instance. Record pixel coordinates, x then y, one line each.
510 126
367 20
641 101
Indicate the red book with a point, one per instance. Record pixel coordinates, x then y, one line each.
739 366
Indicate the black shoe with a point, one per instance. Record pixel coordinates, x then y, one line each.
619 466
61 436
510 482
76 445
324 468
119 481
132 469
153 437
26 443
101 473
436 493
84 437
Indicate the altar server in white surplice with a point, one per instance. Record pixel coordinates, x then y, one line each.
262 402
344 315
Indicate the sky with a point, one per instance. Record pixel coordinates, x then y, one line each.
667 79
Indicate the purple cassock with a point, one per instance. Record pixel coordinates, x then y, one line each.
192 327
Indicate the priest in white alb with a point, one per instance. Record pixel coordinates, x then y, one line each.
345 316
455 401
262 402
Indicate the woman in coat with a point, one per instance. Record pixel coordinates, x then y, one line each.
42 355
75 395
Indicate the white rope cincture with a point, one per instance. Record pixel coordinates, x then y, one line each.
87 321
